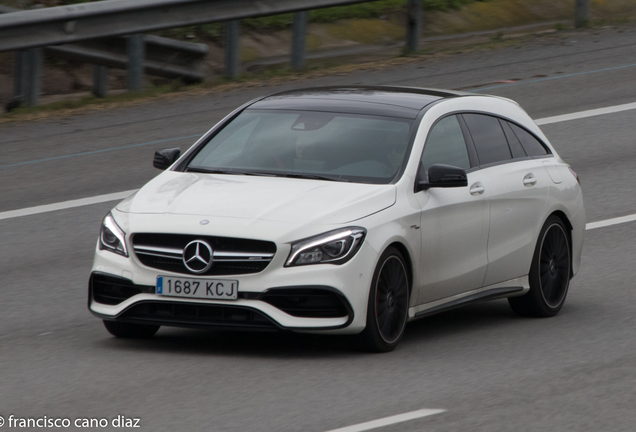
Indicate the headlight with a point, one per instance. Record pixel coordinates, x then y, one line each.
112 238
333 247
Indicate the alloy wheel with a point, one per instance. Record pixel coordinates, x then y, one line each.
391 299
554 265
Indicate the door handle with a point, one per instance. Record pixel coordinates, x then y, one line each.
529 180
477 189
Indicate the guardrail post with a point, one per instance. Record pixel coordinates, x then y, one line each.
100 81
232 48
136 53
582 13
18 78
28 76
413 24
299 34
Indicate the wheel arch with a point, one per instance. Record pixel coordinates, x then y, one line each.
566 221
407 260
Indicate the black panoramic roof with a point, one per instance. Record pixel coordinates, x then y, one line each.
402 102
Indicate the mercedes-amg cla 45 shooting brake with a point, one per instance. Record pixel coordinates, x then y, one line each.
348 210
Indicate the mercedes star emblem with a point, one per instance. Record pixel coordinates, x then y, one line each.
197 256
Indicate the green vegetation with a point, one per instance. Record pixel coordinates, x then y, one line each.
368 10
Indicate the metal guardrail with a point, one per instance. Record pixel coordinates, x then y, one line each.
69 24
163 57
85 21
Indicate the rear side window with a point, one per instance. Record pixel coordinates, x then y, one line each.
515 145
531 145
488 136
445 145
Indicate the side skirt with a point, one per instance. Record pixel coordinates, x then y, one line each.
511 288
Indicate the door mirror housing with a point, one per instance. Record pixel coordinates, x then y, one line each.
442 176
165 158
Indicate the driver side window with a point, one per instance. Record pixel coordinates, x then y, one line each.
445 145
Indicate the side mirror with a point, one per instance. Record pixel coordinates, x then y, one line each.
443 176
165 157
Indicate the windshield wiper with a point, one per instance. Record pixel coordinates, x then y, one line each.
266 174
212 170
228 171
314 177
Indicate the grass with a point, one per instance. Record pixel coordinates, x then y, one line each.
369 10
214 31
366 31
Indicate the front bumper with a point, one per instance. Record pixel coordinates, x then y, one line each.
316 298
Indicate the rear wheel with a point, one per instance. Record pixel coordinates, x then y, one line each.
387 310
130 331
549 273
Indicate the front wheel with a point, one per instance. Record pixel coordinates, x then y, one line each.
387 310
130 331
549 273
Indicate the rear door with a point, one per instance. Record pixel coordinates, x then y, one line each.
518 190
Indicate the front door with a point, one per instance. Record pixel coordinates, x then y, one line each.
454 221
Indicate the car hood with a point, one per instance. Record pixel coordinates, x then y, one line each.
277 199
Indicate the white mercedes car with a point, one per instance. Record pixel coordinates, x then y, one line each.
344 210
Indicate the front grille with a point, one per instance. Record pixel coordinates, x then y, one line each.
184 314
112 290
307 302
231 256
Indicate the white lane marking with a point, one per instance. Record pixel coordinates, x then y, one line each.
66 205
585 114
389 420
610 222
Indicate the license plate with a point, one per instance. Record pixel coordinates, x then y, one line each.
197 288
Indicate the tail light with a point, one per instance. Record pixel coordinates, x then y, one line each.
576 176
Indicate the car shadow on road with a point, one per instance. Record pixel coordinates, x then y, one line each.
463 321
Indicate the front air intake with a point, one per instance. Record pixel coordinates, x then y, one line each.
112 290
304 302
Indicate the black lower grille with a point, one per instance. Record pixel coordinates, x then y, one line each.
112 290
184 314
308 302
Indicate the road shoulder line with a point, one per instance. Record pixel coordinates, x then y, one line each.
399 418
66 204
585 114
610 222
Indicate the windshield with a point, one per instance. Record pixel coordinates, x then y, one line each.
307 144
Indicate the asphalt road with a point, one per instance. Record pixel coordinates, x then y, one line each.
490 370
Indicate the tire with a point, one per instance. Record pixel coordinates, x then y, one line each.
130 331
388 306
549 273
